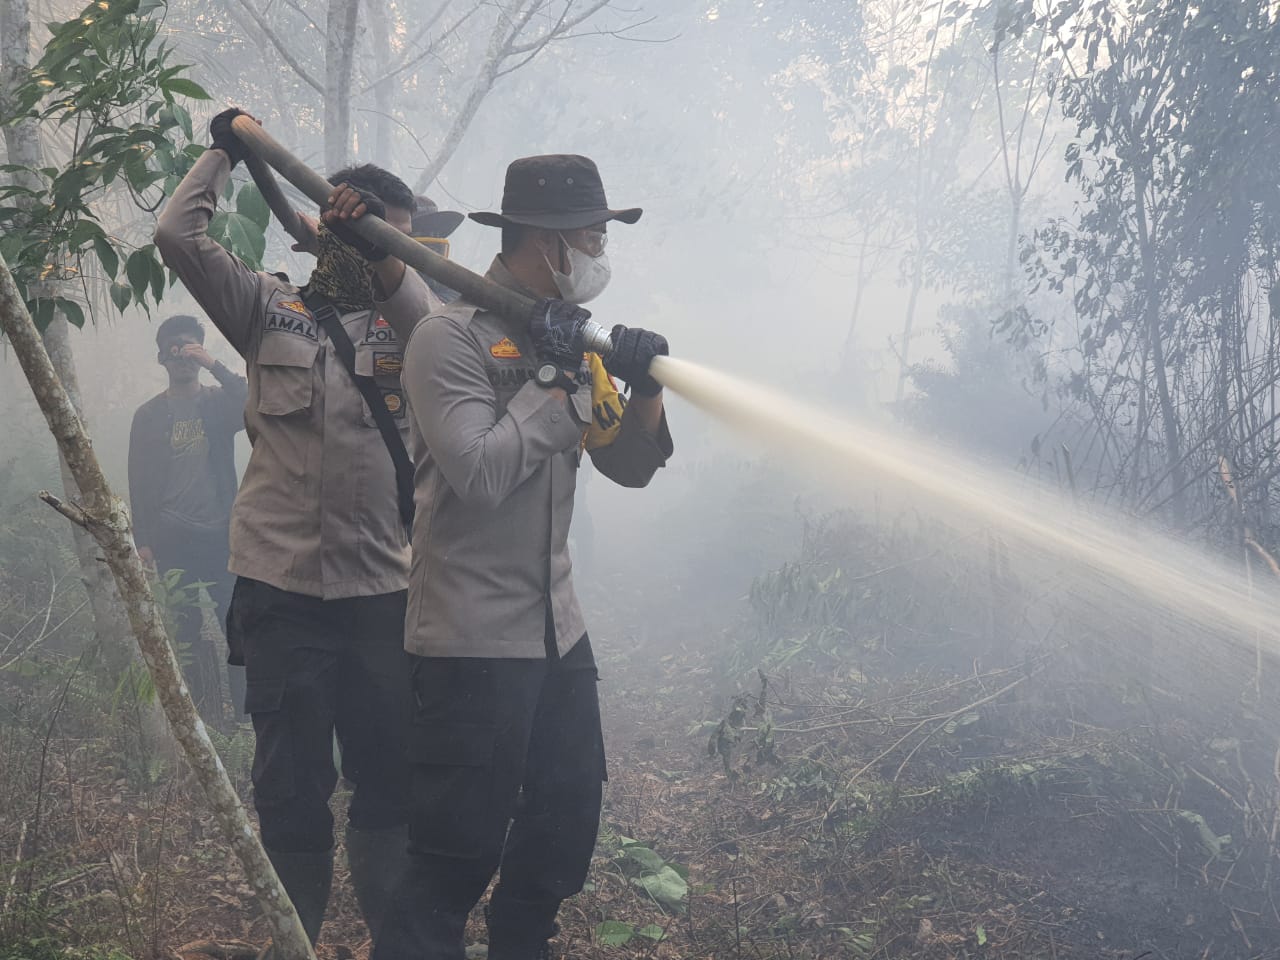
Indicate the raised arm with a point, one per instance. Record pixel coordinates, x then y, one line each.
638 450
483 456
642 443
402 297
225 288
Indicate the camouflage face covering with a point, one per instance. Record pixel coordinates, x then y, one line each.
341 274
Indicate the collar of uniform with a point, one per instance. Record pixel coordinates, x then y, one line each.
500 275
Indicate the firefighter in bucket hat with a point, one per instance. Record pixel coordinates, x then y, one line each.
505 748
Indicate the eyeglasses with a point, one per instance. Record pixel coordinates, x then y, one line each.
438 245
590 240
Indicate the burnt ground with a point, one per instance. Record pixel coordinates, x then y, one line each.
932 814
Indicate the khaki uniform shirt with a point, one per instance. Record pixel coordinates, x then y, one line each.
316 513
497 460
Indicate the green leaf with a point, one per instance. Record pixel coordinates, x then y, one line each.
120 296
240 235
183 87
982 935
652 932
83 232
107 255
614 933
42 314
157 278
666 886
138 269
251 203
642 856
183 116
71 310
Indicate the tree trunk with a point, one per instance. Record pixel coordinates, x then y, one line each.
1011 248
105 516
384 93
22 145
498 43
1151 317
846 354
908 325
339 57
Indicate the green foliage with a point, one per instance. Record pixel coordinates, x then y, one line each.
615 933
106 82
1168 260
860 595
804 780
728 734
861 944
667 884
49 947
236 750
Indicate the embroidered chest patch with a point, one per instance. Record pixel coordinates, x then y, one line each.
505 349
294 324
387 364
379 331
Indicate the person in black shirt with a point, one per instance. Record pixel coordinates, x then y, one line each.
182 480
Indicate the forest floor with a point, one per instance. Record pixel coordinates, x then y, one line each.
938 813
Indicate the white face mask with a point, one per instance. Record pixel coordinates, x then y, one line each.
587 276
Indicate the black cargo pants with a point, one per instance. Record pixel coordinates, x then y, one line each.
315 667
497 744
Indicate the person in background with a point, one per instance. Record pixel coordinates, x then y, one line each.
505 747
431 228
182 480
318 541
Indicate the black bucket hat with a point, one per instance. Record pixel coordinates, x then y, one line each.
560 191
430 221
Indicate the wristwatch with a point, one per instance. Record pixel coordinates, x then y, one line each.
549 375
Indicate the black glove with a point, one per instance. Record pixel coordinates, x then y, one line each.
633 351
367 248
224 138
556 328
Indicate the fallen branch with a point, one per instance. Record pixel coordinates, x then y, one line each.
105 516
910 733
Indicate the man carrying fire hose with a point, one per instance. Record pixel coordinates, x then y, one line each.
318 535
505 749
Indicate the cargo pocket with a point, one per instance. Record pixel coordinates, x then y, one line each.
273 767
285 377
237 620
452 786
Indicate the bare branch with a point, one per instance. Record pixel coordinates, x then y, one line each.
563 24
424 54
69 509
282 48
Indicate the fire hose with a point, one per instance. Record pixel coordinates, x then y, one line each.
484 293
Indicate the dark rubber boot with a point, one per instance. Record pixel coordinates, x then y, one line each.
520 929
307 878
376 859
